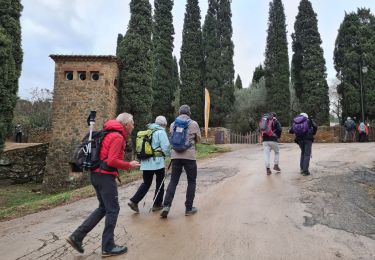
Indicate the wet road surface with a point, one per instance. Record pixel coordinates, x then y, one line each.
242 213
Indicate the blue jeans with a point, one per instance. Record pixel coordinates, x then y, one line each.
305 146
190 167
106 191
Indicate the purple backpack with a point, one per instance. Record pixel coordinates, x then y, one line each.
300 125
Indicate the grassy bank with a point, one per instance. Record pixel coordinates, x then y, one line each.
22 199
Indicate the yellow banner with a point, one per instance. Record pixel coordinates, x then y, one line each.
206 111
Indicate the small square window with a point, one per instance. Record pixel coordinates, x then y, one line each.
94 75
69 75
82 75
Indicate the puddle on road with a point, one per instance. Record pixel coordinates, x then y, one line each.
332 164
213 175
341 201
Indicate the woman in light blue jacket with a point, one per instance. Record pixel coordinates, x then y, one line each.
154 165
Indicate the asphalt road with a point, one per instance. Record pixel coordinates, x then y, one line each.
242 213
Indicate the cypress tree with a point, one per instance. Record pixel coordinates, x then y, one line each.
191 62
120 37
7 74
355 49
11 62
212 52
308 65
257 75
163 85
238 83
134 51
227 52
10 13
276 63
176 84
218 53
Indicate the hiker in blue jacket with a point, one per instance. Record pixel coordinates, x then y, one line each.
304 129
154 165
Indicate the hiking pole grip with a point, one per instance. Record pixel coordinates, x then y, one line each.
91 118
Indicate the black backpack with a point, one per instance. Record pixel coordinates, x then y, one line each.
82 160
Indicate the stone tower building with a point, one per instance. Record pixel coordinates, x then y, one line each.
82 84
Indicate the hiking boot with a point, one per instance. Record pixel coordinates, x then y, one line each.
305 173
133 206
116 250
277 168
269 171
75 243
192 211
164 212
157 208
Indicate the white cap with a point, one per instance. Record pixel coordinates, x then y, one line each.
305 115
348 118
161 120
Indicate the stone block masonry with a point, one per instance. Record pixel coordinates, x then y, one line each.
25 163
82 84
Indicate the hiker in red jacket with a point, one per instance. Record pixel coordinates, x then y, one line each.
104 181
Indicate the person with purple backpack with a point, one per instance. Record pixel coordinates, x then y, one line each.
304 129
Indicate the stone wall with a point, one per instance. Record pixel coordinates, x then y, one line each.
325 134
73 100
24 164
39 135
216 135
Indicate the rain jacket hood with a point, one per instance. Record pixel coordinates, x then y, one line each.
154 126
115 125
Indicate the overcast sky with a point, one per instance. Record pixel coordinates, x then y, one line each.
90 27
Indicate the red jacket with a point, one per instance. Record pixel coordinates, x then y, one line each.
112 150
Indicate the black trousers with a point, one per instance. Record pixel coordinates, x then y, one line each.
145 186
190 167
362 137
106 191
19 137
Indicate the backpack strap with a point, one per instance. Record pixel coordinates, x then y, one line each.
103 165
154 150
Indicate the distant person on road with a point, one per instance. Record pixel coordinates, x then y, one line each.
270 129
350 127
104 181
154 165
362 132
18 133
304 129
185 134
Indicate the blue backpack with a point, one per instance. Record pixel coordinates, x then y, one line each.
180 135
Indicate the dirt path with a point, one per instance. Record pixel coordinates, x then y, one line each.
243 214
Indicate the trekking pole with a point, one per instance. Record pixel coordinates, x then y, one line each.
90 123
162 182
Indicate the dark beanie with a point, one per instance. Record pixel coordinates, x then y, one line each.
184 109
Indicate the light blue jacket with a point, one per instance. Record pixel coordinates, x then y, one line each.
160 141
